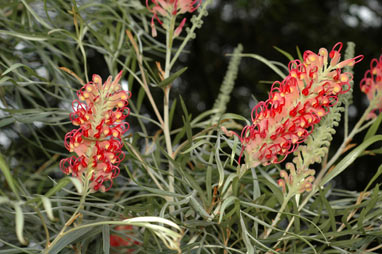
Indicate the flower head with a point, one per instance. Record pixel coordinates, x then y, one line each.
295 105
171 8
371 85
99 112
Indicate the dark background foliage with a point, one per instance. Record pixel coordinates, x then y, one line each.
259 25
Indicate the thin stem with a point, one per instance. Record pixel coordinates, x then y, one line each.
148 92
304 202
346 123
43 225
144 165
144 84
72 218
278 216
365 126
166 98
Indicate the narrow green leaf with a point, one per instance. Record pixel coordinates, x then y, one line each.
170 79
256 186
299 53
196 145
205 114
370 204
208 182
244 234
77 184
226 203
234 147
349 159
4 200
15 249
68 238
106 239
130 79
187 127
375 177
198 207
329 210
227 183
266 62
184 108
8 176
28 37
19 219
373 128
219 163
190 178
34 14
13 67
61 184
141 96
232 116
4 79
172 111
286 54
48 207
270 182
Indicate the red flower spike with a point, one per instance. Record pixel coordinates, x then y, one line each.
99 113
296 104
371 85
123 239
171 8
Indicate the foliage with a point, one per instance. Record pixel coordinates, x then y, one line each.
180 188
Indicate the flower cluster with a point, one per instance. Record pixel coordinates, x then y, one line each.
295 105
169 9
99 113
371 85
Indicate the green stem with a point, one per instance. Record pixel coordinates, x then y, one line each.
268 231
304 202
346 123
71 219
166 124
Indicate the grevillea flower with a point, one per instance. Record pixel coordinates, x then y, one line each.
371 85
99 112
168 9
124 241
295 105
